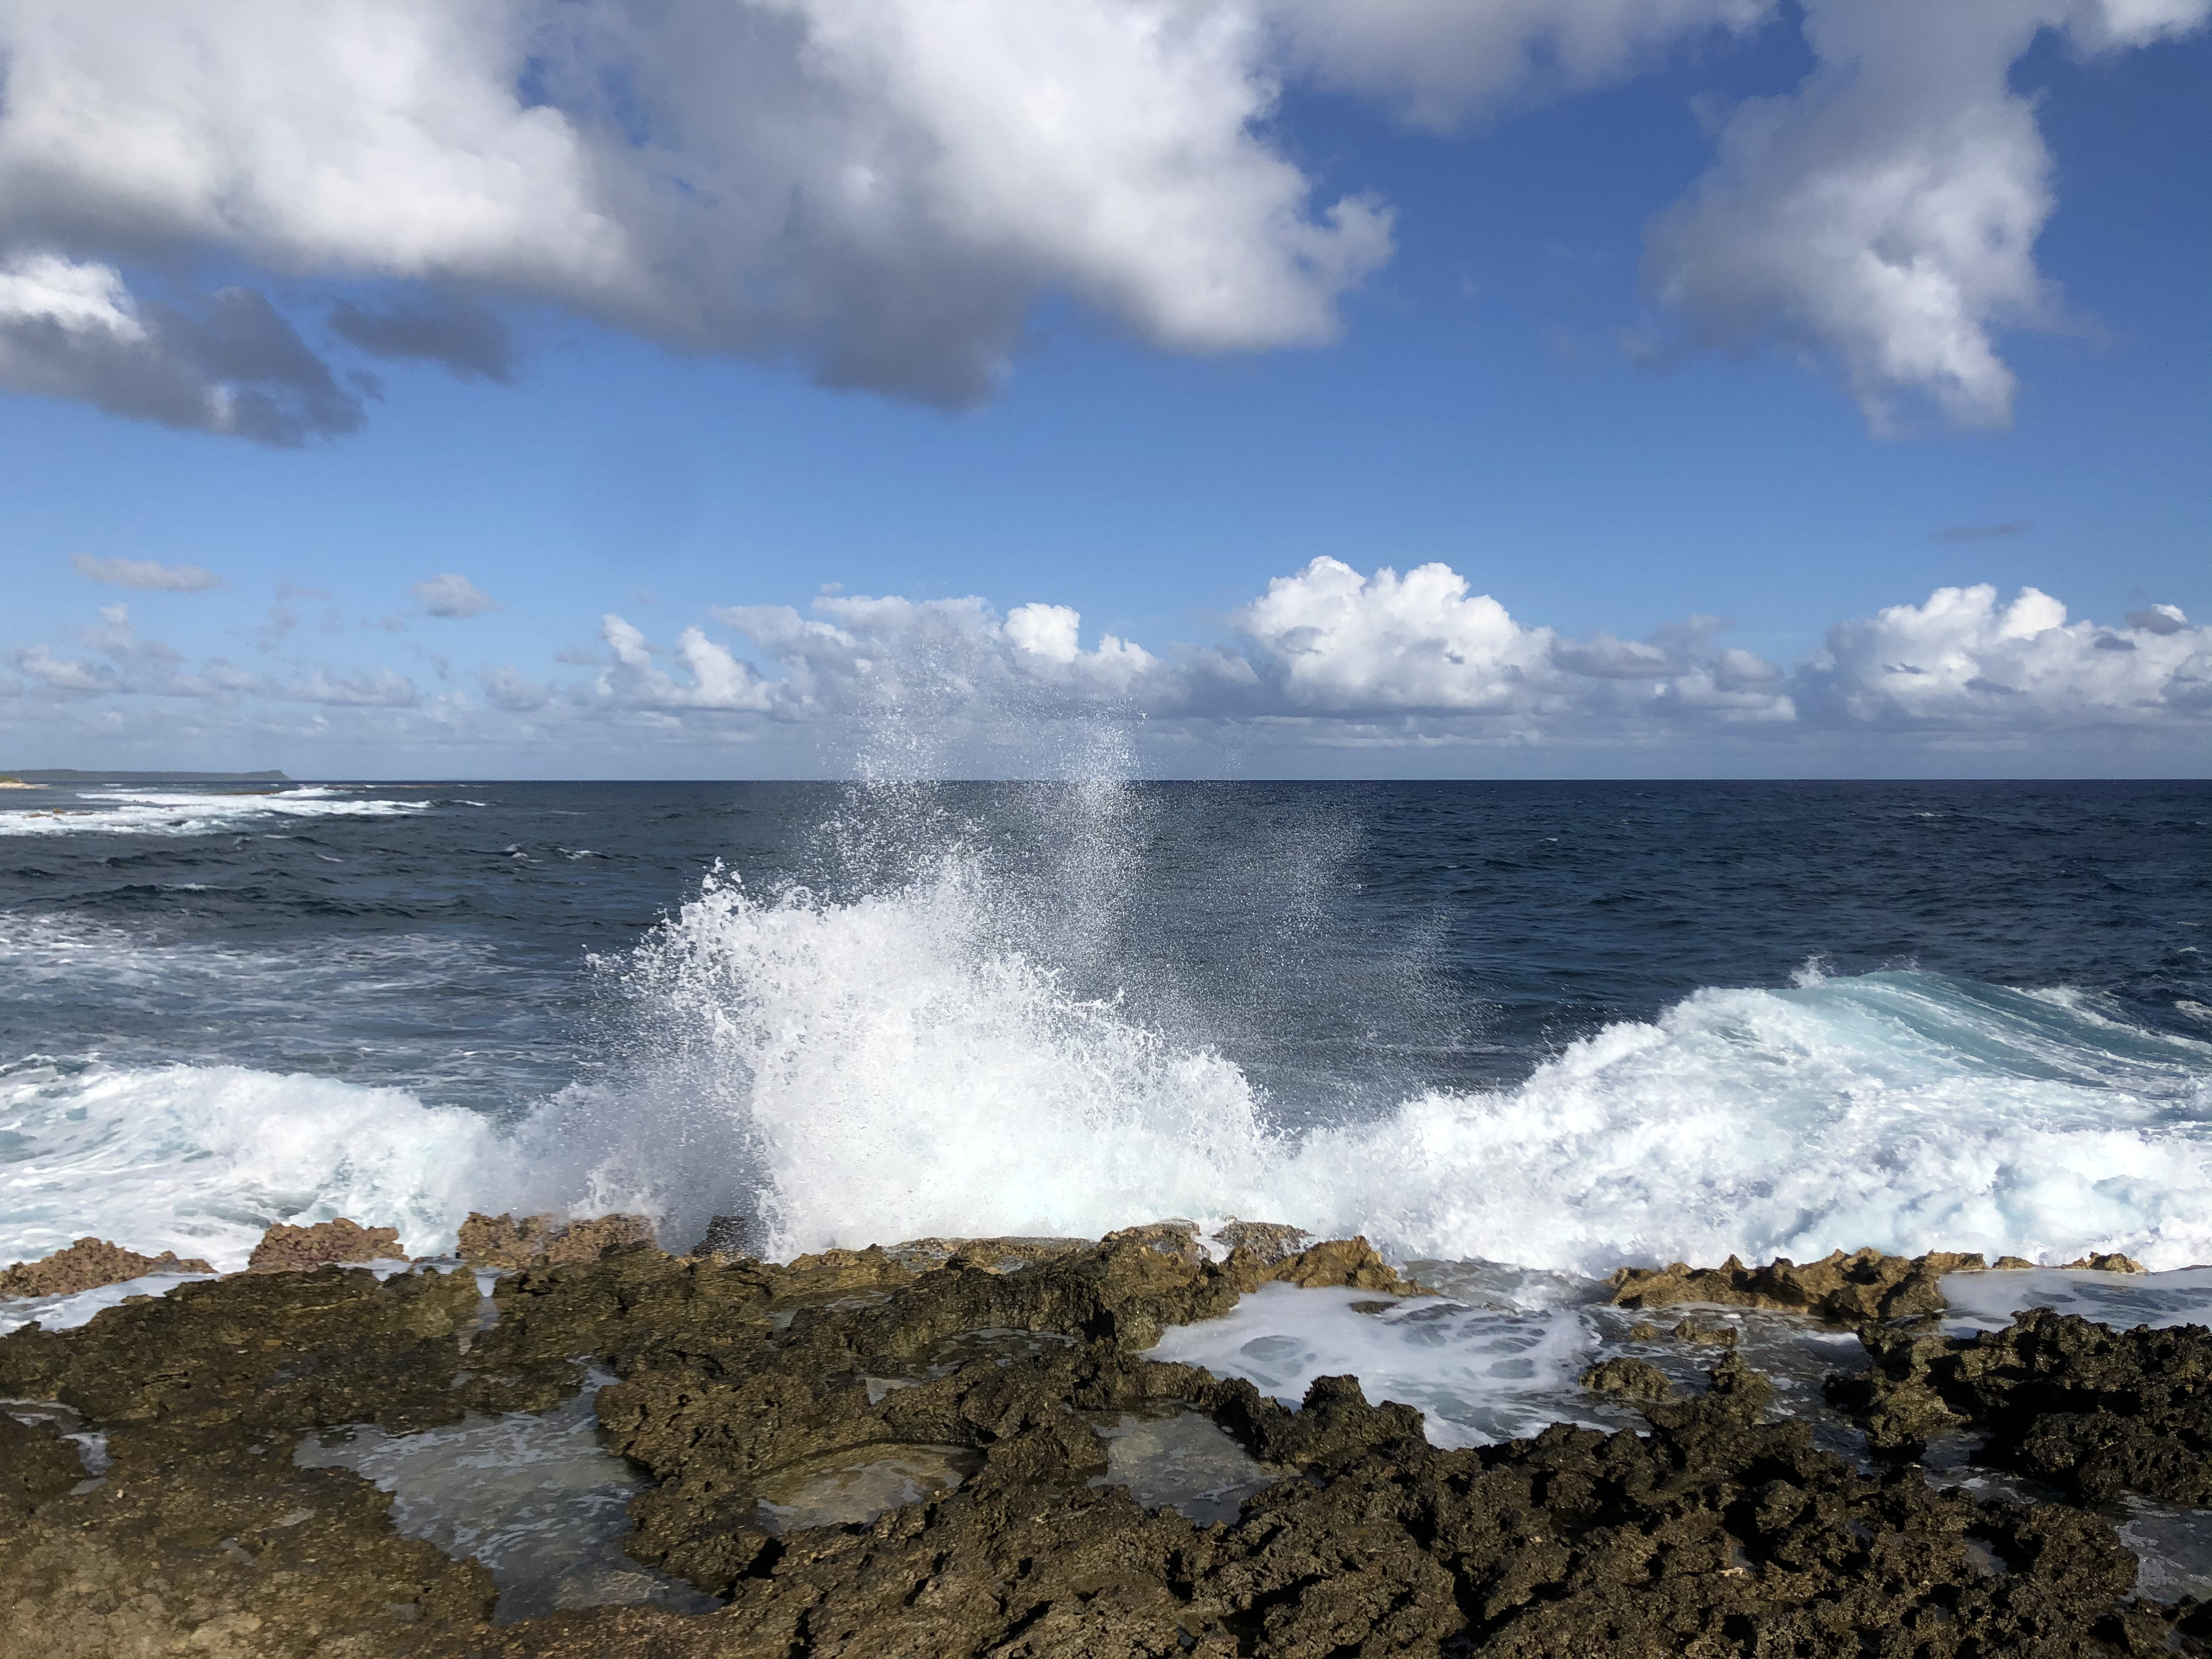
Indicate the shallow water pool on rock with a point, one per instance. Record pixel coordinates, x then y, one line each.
537 1499
1184 1460
857 1485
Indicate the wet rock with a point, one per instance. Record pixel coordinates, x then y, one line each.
258 1353
1842 1289
88 1264
1268 1241
36 1463
2093 1411
501 1241
1704 1333
1716 1532
286 1248
728 1235
209 1549
1633 1379
2113 1263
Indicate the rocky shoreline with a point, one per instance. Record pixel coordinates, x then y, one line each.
153 1500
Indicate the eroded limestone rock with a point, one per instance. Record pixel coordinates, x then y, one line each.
1718 1532
286 1248
88 1264
2093 1411
502 1240
1842 1289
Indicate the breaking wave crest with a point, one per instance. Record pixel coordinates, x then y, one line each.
904 1064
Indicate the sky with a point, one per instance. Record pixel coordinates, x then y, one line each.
634 388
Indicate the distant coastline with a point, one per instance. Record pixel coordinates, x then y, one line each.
31 776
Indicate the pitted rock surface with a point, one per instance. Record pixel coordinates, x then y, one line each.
1718 1532
1842 1289
2093 1411
501 1241
88 1264
285 1248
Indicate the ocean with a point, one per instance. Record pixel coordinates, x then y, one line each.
1547 1027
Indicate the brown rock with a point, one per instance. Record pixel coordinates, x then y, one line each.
284 1250
1635 1379
1842 1289
501 1241
2113 1263
36 1464
1269 1240
88 1264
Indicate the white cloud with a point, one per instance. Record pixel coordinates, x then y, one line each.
1441 61
1887 210
1326 657
453 596
1340 642
374 688
228 364
883 191
145 576
130 665
717 680
513 693
38 664
1963 662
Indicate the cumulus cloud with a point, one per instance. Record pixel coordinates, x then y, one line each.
881 190
374 687
513 693
1965 662
145 576
1440 61
225 362
453 597
122 662
713 678
1887 210
1328 656
463 336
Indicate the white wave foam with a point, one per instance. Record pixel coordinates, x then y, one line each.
897 1071
141 812
894 1067
201 1159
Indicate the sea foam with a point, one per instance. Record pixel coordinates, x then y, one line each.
898 1069
904 1064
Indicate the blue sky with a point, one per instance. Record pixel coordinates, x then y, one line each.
1510 375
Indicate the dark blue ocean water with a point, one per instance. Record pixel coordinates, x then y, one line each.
1341 948
1332 939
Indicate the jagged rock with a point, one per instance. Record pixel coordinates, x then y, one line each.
204 1548
36 1463
2093 1411
1633 1378
1840 1288
728 1235
88 1264
258 1353
2112 1263
284 1250
1716 1532
501 1241
1269 1240
1704 1333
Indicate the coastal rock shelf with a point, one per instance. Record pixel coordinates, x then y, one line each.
985 1448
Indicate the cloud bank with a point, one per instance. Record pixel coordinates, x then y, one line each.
1382 665
146 575
882 191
